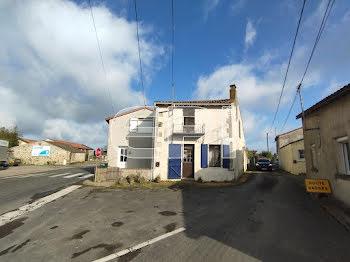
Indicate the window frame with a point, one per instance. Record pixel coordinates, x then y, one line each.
346 156
123 155
219 161
301 158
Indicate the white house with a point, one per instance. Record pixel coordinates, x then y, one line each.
181 139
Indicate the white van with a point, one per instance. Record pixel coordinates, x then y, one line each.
4 160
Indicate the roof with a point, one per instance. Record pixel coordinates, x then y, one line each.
65 146
195 102
288 132
329 99
129 112
27 140
75 145
291 143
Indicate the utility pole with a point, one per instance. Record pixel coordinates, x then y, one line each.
267 141
302 105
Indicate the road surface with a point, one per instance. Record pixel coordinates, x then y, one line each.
268 218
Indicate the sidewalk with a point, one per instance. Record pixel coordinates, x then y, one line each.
337 210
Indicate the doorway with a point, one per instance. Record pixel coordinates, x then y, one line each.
187 163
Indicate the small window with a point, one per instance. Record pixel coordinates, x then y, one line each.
123 155
189 121
346 154
214 155
301 154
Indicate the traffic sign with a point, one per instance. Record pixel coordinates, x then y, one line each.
98 152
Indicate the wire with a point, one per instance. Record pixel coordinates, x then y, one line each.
290 110
172 51
290 58
138 45
99 49
320 31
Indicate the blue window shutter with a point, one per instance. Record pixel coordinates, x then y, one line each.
174 164
204 156
226 155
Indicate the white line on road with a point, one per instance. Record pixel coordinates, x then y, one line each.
74 175
9 216
139 246
88 175
64 174
24 176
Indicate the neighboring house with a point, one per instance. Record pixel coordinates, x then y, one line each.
130 138
199 139
24 141
290 151
44 152
326 137
89 152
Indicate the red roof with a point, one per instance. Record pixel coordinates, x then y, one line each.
76 145
129 112
27 140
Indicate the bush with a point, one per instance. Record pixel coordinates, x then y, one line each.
199 180
157 180
130 179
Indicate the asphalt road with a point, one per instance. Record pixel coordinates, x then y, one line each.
15 191
269 218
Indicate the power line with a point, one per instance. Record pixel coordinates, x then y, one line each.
320 31
290 110
138 45
290 58
99 49
172 51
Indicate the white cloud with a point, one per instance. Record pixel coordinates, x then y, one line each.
209 6
250 34
236 6
50 66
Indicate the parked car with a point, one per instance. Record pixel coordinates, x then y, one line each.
4 161
264 164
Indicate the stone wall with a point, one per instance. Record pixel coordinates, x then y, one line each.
111 174
57 155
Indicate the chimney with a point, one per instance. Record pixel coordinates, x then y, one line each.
232 93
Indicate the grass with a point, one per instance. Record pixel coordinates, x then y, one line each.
183 184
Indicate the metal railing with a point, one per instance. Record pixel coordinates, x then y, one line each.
189 129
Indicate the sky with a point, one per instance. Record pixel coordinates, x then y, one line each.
53 85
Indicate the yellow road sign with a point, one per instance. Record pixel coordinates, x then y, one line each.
318 186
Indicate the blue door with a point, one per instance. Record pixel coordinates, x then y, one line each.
174 165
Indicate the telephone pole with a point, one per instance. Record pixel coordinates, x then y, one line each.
267 141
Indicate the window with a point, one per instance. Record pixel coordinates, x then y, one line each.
214 155
239 129
346 154
123 154
140 125
301 154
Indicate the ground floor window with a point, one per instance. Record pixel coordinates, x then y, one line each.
301 154
214 155
346 154
123 155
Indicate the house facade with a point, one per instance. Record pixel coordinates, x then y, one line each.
199 139
290 151
130 138
326 128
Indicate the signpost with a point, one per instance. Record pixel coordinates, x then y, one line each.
318 186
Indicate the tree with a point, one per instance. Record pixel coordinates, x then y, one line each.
10 135
266 154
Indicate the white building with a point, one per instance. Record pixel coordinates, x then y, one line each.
181 139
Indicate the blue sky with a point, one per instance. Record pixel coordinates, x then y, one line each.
51 74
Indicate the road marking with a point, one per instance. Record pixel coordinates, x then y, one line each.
24 176
139 246
74 175
88 175
9 216
64 174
